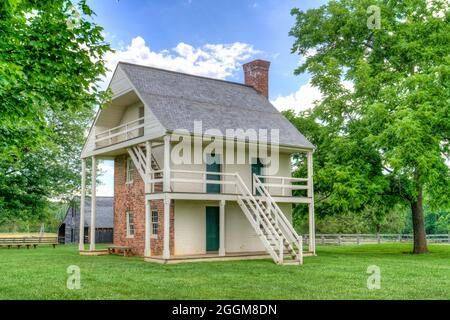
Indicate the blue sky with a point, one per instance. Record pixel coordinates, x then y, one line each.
182 34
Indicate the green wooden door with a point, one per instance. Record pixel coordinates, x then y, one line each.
213 165
257 167
212 228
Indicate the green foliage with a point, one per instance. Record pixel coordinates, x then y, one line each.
51 217
436 222
50 66
46 64
384 139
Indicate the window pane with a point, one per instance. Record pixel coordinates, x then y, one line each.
129 170
130 224
155 222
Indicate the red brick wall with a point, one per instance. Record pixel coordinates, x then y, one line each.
131 197
157 244
256 74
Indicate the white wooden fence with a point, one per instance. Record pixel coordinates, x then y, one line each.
342 239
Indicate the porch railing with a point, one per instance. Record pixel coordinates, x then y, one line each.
200 178
198 182
278 185
126 131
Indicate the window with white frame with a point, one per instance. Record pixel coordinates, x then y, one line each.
130 224
130 171
154 223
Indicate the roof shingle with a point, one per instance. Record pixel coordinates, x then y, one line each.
178 99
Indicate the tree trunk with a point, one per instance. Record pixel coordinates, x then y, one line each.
420 237
378 228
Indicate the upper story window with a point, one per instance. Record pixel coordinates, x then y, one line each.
130 171
130 224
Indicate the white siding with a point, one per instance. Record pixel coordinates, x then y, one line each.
284 170
190 227
131 113
239 234
119 83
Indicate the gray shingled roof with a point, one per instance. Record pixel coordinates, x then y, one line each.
104 213
178 99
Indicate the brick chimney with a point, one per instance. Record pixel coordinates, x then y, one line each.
256 74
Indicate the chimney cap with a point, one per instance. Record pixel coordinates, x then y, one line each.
257 62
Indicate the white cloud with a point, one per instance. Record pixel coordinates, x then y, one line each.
211 60
303 98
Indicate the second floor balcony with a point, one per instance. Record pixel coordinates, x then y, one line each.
253 176
121 133
226 183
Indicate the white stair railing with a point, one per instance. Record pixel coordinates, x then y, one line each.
265 220
260 222
139 161
293 239
139 158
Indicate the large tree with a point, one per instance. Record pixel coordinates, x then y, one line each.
50 66
391 126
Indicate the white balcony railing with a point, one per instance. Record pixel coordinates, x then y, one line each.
197 182
281 185
127 131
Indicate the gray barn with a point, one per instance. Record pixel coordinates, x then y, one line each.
69 230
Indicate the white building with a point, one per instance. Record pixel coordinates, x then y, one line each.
202 167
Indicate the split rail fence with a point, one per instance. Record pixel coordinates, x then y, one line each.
342 239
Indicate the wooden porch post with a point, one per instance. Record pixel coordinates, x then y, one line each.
312 231
148 164
166 245
93 202
147 249
82 200
166 174
222 228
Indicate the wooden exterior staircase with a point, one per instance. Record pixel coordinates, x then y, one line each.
280 239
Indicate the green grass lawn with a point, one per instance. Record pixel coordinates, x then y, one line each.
336 273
